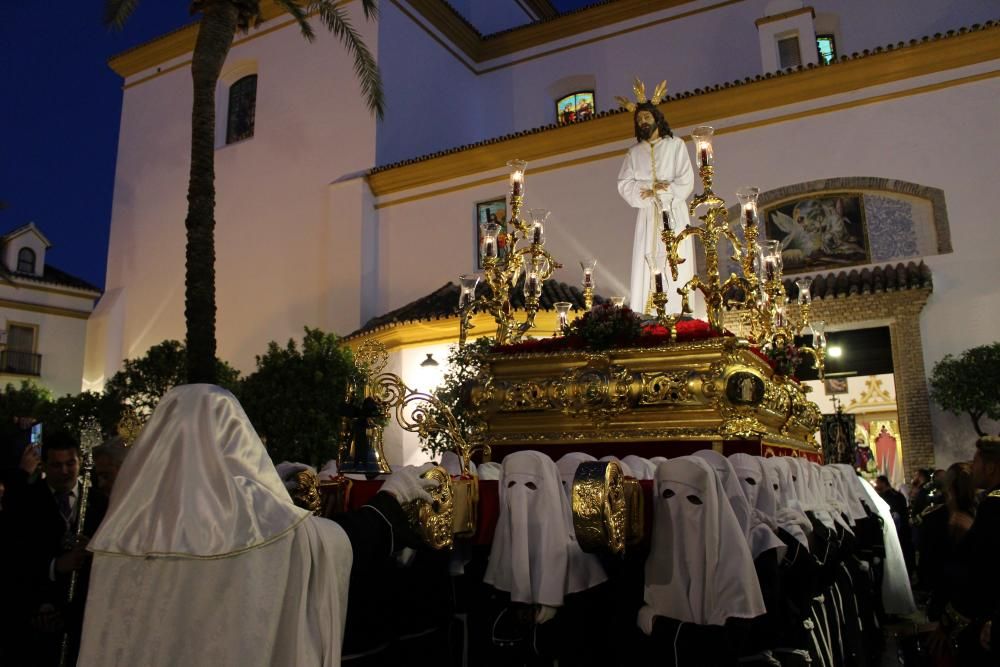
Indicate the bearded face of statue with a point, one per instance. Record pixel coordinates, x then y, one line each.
647 126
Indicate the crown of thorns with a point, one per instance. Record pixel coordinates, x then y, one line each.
639 88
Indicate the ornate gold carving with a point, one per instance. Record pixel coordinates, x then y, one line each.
598 502
306 493
597 391
635 516
433 521
667 387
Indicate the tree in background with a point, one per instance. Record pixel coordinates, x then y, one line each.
464 364
968 383
220 19
143 381
296 397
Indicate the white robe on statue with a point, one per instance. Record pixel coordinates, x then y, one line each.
672 165
203 559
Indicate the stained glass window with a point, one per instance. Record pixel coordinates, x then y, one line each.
242 109
578 106
26 260
827 48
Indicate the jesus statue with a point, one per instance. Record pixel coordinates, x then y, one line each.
656 178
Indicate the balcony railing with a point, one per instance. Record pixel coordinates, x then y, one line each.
20 363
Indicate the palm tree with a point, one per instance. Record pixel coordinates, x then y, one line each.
220 19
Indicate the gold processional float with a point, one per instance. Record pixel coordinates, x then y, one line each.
713 390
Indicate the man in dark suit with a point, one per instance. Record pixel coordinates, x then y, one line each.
41 533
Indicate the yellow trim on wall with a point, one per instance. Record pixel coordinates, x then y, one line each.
47 310
444 330
784 15
740 127
824 81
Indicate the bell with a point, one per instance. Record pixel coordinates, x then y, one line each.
361 448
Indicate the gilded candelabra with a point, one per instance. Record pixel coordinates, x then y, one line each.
506 255
764 300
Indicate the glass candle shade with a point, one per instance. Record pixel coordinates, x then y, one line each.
532 285
562 312
748 205
588 266
667 223
488 232
657 263
819 334
805 291
516 169
468 283
771 261
704 154
617 301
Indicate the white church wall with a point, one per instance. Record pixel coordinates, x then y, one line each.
431 97
704 46
279 264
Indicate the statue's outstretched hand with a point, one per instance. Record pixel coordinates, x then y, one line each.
406 484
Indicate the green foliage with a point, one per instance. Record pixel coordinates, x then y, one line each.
464 364
27 402
968 383
144 381
71 412
606 326
296 396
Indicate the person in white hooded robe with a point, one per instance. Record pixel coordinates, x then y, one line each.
203 559
699 574
535 556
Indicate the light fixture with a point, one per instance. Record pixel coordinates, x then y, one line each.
429 362
835 351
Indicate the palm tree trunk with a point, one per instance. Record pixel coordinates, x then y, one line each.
215 37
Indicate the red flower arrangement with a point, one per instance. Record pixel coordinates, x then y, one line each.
607 327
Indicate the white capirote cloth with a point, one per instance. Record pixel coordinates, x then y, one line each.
699 568
897 596
641 468
760 497
667 160
788 515
203 559
759 536
567 465
535 556
489 471
452 462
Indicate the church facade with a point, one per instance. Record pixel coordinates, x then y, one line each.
876 123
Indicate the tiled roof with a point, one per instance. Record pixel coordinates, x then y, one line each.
988 25
442 303
886 278
53 276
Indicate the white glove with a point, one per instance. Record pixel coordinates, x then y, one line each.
406 484
287 470
544 614
329 470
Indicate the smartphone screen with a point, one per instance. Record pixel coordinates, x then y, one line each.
36 435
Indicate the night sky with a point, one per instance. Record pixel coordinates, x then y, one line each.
60 108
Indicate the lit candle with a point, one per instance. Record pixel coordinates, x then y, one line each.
517 183
490 250
704 154
537 235
658 280
532 283
749 215
588 278
667 224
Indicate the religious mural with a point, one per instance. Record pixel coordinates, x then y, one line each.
820 232
494 211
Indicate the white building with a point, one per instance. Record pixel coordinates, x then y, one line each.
327 218
44 311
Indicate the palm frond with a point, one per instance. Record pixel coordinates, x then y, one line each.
370 8
299 14
335 19
117 12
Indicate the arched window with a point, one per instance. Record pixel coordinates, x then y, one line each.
25 260
578 106
242 109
